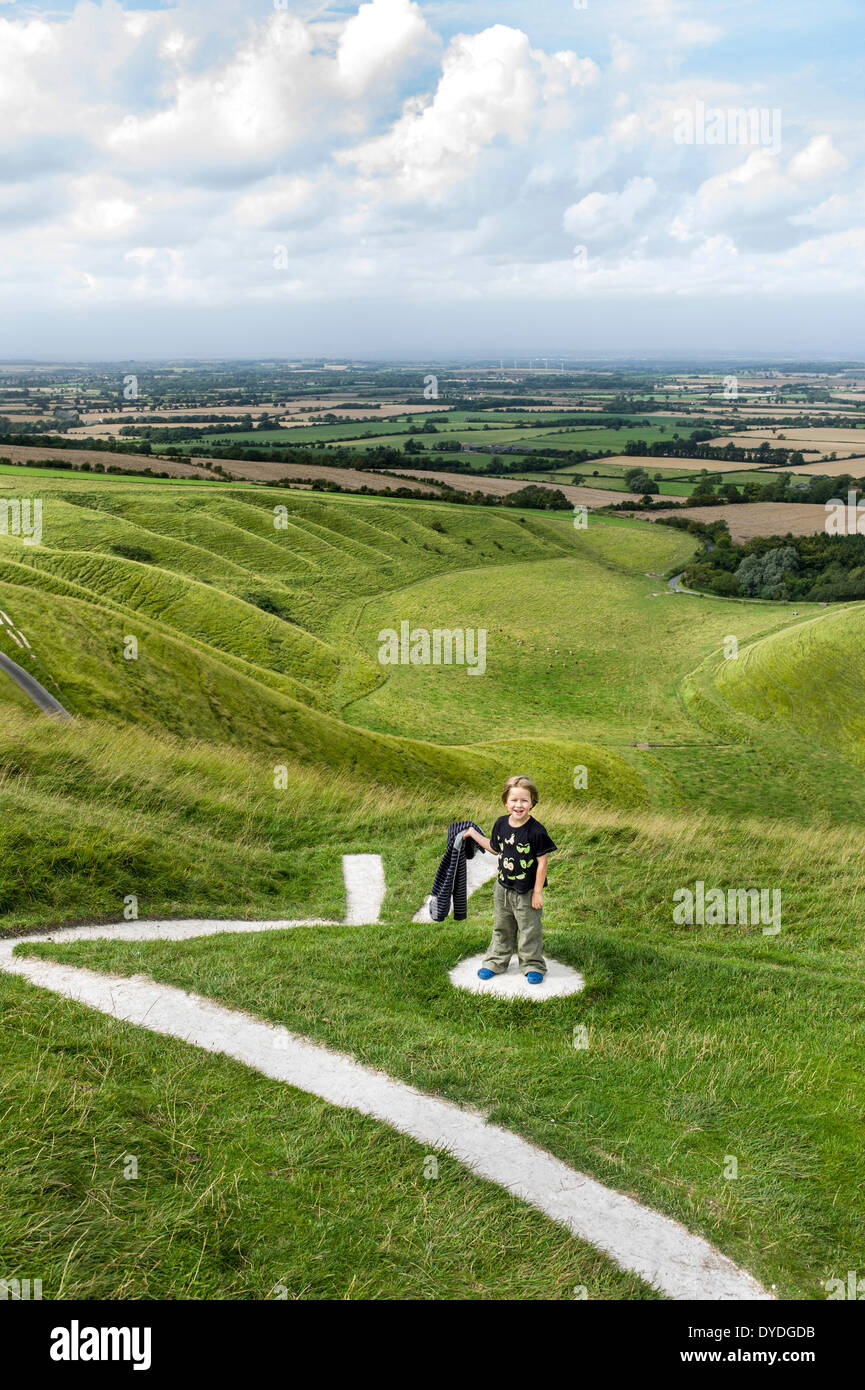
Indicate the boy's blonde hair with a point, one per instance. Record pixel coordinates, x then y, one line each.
521 782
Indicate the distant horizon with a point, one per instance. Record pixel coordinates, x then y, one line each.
479 361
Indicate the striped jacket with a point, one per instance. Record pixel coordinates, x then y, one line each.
450 879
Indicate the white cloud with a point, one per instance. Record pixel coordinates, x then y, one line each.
602 215
833 214
684 30
166 168
818 160
100 209
279 201
492 86
762 189
377 40
256 104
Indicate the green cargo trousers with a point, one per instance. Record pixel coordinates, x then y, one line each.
516 927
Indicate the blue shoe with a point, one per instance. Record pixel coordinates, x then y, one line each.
486 974
534 977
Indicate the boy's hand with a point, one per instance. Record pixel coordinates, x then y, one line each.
537 897
479 840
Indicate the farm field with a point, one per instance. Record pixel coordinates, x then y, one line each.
831 468
579 494
75 457
847 443
670 468
498 429
675 482
750 519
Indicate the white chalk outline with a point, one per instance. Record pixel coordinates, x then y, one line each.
657 1248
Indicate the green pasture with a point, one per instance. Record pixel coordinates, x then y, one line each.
257 635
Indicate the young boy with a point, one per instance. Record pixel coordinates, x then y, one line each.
522 845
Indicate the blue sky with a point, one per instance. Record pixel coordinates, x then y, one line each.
424 179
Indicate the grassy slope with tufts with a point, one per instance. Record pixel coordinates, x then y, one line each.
189 585
266 635
704 1041
808 680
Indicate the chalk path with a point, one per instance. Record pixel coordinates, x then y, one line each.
657 1248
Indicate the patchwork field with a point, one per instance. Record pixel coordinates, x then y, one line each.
747 520
845 443
690 466
579 494
830 468
26 453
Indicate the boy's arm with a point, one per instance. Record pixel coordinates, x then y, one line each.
479 839
540 877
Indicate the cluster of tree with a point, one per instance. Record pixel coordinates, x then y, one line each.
712 532
545 499
624 404
206 418
695 446
55 441
555 421
816 569
638 480
765 576
532 496
779 487
27 429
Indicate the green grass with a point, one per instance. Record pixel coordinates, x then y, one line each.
705 1041
299 434
211 660
806 681
675 482
245 1188
585 647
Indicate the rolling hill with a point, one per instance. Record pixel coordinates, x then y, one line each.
257 650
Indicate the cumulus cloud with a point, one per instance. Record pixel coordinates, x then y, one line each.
819 160
605 215
282 89
250 109
763 189
376 41
493 86
385 157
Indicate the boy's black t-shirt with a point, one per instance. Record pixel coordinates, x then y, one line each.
519 848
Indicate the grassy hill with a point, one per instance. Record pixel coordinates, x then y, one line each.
808 680
258 648
268 637
705 1041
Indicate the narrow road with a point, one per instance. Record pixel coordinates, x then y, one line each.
38 694
678 588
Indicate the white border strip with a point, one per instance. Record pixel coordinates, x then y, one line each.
657 1248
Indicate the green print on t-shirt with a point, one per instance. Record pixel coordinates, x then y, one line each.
519 843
